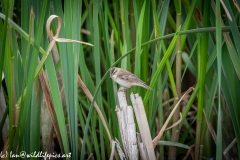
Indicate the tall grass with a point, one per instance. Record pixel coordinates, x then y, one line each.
137 36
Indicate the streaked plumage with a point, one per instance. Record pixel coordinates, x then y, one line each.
126 79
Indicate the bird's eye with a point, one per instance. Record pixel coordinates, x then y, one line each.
112 71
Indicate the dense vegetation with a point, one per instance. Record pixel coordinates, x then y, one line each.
49 83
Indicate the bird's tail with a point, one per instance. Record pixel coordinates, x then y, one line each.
144 86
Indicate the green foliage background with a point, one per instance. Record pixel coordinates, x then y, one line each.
137 36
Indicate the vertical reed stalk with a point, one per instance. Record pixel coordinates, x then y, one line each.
175 134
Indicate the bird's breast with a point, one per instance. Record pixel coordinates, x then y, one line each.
122 82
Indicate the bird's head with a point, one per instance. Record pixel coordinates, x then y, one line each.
113 71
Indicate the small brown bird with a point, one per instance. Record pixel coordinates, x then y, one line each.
126 79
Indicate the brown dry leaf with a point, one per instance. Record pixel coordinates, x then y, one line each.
176 123
90 97
49 102
158 137
198 15
55 37
211 130
189 152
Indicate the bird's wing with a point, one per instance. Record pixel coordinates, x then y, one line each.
125 75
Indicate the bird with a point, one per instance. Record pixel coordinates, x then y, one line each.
126 79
